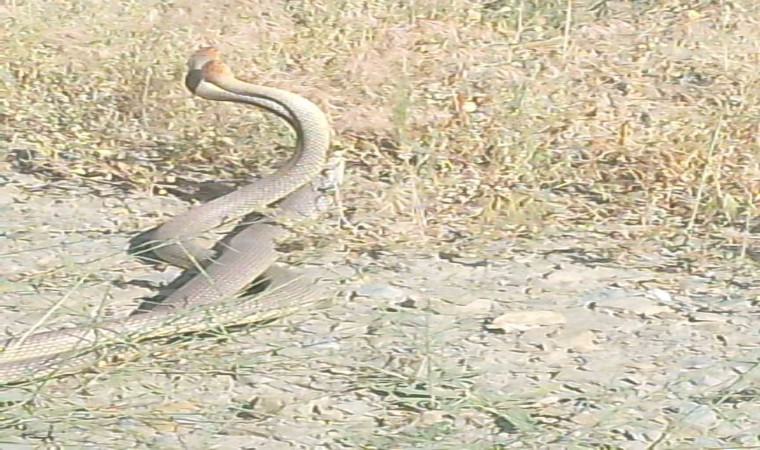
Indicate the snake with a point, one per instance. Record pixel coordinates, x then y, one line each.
214 297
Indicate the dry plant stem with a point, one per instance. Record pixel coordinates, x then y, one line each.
703 179
49 313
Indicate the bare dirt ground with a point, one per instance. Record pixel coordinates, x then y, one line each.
551 236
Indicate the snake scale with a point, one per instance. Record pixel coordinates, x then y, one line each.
212 297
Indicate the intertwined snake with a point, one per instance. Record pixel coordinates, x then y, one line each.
210 299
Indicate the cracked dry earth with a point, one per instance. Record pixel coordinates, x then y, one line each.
553 346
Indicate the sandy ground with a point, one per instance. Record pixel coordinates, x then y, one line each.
558 344
552 236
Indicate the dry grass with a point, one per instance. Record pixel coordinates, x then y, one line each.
462 116
460 121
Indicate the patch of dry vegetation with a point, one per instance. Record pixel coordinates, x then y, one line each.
460 117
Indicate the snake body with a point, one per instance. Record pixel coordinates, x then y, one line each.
209 299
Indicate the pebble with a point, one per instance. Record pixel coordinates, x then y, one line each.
381 292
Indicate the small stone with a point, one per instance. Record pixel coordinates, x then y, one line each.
635 305
381 292
525 320
479 306
661 295
579 341
586 419
432 417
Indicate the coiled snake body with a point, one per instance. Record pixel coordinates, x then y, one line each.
208 299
